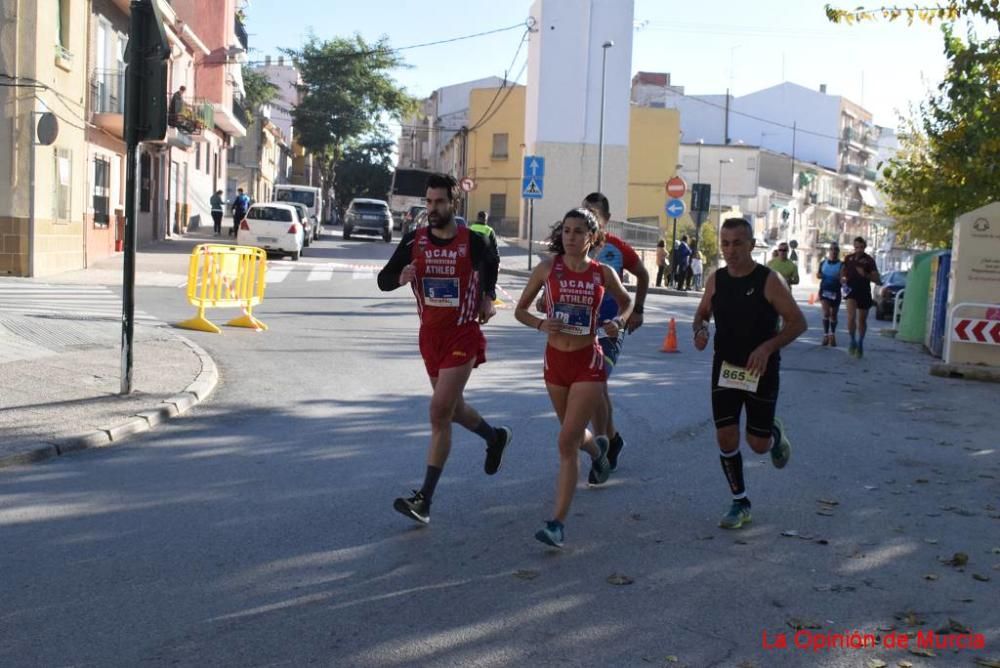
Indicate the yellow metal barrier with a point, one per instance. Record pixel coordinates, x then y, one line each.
225 276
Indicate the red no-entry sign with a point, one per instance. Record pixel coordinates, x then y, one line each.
676 187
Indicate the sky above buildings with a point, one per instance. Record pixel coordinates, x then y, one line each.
706 47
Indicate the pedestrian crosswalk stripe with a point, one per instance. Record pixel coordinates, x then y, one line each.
321 272
29 298
277 275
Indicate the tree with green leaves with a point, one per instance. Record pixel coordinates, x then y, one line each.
364 170
949 158
348 95
258 89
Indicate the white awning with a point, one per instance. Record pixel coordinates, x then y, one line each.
868 197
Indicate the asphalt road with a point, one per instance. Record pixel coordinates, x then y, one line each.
258 530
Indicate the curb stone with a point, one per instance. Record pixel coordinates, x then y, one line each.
196 392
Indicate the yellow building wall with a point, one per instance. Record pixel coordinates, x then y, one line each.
494 174
654 146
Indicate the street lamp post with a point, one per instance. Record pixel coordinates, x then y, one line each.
701 142
600 140
725 161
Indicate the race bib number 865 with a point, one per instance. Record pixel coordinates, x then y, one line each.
738 378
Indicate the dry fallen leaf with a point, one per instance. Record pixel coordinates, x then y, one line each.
957 626
987 663
904 664
931 577
910 618
672 659
824 513
957 560
800 624
981 578
876 663
920 651
790 533
931 541
828 502
526 574
617 579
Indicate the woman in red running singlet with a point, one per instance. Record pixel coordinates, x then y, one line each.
574 362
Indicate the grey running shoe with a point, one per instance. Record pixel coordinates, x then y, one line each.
600 468
614 453
494 453
781 449
738 515
416 507
551 533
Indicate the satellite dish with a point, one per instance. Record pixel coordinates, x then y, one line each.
47 129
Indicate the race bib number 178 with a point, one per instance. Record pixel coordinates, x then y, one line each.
738 378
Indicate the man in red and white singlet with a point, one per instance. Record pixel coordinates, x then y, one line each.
453 274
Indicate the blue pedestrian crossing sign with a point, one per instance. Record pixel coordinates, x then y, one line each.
533 183
532 187
674 208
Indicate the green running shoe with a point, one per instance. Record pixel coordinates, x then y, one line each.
551 533
781 450
738 515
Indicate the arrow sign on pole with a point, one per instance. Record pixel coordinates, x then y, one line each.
675 208
534 166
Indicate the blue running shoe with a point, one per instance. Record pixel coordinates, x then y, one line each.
551 533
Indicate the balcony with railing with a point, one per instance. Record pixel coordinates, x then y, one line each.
107 100
241 34
871 175
192 117
240 112
851 170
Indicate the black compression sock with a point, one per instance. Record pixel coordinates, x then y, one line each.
430 482
732 466
485 431
826 325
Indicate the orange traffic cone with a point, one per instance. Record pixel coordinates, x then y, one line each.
670 340
812 298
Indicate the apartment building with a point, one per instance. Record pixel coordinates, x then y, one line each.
62 186
43 182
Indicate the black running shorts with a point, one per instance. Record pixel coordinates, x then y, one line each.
727 403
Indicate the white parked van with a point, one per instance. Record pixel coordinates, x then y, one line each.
308 196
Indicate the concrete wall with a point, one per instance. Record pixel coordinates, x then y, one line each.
654 136
812 112
563 101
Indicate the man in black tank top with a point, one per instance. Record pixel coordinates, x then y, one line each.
747 300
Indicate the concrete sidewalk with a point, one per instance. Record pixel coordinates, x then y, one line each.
60 370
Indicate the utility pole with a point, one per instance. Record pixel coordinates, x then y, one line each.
145 118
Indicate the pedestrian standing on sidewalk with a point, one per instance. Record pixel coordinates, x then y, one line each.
575 287
661 262
697 268
856 277
746 299
621 257
240 207
829 292
453 276
682 255
218 208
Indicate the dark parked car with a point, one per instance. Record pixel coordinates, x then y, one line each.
410 217
368 216
420 220
884 295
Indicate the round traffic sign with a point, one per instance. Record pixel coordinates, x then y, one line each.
467 184
676 187
674 208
